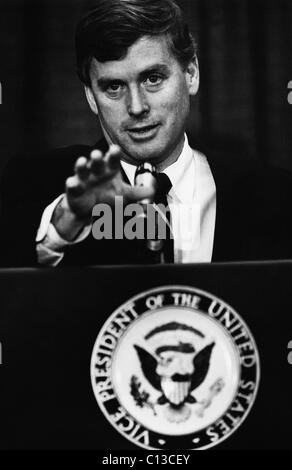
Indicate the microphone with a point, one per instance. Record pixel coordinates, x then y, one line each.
145 176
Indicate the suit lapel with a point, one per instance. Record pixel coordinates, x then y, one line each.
227 169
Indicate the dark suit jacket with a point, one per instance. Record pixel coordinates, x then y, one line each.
253 217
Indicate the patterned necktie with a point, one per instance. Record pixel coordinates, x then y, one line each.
163 187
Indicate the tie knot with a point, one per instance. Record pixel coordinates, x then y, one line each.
163 187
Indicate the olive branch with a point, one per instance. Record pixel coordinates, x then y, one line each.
140 396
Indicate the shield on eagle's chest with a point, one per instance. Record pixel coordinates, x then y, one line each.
175 392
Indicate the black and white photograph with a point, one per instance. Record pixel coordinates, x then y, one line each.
145 227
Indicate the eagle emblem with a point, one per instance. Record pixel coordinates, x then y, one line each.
175 368
168 371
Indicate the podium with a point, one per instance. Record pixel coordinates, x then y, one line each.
163 332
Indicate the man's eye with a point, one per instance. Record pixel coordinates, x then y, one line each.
154 80
114 88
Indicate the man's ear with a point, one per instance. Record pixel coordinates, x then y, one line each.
90 99
193 76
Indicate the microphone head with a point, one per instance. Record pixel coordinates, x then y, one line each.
145 167
145 176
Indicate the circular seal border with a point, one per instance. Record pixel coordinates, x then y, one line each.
184 289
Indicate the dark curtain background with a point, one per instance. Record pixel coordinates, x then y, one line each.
245 54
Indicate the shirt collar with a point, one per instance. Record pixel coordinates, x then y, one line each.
181 174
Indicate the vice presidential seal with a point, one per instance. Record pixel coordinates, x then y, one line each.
175 368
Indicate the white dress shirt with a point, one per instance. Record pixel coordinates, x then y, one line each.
192 203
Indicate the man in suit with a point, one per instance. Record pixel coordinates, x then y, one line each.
137 61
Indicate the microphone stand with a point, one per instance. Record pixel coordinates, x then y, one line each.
145 176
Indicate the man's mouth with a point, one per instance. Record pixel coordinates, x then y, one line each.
143 132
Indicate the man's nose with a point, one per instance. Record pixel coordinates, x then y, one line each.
137 102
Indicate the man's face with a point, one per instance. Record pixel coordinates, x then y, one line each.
143 100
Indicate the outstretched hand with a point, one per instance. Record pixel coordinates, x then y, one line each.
97 179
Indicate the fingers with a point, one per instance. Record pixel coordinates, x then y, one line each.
93 170
101 165
105 167
113 157
98 166
74 186
96 163
81 168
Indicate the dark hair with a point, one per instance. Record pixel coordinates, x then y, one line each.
112 26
